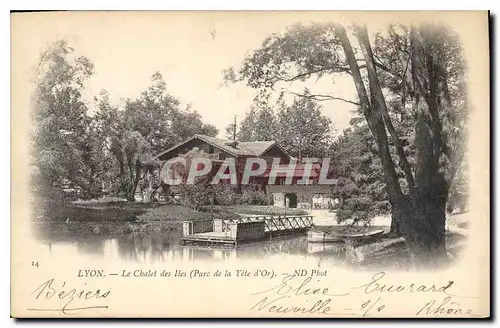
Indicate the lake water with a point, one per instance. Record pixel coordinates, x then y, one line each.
152 247
112 244
60 240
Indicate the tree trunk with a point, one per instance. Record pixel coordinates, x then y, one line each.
372 112
150 188
420 217
399 211
130 195
426 233
426 236
166 190
134 177
426 224
378 101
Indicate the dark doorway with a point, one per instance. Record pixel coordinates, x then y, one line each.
292 200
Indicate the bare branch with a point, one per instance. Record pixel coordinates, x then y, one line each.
308 74
322 97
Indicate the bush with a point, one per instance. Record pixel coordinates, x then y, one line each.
361 209
197 194
179 213
254 197
270 199
226 195
266 210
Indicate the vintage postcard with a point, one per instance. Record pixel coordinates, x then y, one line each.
250 164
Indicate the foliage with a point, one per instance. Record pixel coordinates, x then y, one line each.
177 213
260 123
412 73
300 128
233 210
156 115
200 191
91 150
266 210
62 153
197 194
304 131
360 187
251 196
292 56
146 126
225 194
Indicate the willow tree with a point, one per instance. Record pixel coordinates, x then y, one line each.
62 150
415 72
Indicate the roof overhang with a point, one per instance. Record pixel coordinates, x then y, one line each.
199 137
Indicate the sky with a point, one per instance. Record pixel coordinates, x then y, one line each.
190 50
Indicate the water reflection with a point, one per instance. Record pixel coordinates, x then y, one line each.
91 245
164 247
144 247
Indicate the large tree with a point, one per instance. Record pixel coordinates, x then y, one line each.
145 126
416 71
62 149
159 118
300 128
127 153
360 187
109 149
260 123
303 129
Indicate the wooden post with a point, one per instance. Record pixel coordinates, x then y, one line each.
212 205
234 128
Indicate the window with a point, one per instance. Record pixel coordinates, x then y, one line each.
211 149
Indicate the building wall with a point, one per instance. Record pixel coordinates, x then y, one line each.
275 152
304 193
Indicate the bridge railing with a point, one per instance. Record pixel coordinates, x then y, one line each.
199 226
272 223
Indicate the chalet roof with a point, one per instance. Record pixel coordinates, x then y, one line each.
236 148
299 170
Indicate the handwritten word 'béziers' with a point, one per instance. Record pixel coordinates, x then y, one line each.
67 299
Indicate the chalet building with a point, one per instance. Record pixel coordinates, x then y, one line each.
284 195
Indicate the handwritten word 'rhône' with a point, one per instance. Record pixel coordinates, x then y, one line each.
315 295
60 297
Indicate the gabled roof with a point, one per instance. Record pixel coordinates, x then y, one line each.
252 148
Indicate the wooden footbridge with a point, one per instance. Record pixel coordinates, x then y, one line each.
242 229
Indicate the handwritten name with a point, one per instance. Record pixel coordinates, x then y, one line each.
275 306
379 285
71 299
278 298
311 296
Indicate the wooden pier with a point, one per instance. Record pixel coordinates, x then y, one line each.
243 229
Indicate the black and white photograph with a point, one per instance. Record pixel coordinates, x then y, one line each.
267 164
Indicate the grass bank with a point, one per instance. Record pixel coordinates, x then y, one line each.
120 217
